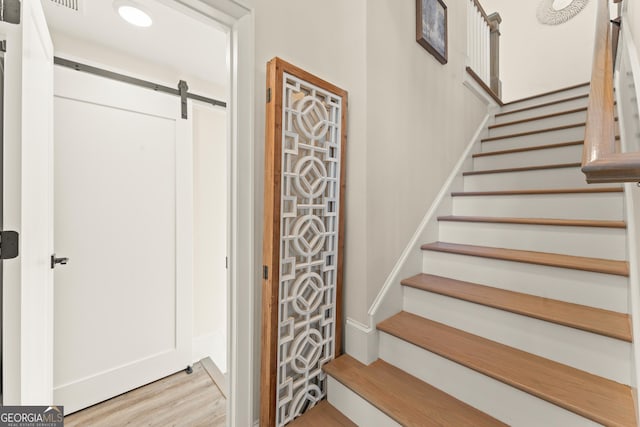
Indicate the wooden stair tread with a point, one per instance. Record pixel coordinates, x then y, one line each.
539 191
604 322
403 397
523 169
533 119
547 104
597 265
528 98
599 399
536 221
323 415
533 132
525 149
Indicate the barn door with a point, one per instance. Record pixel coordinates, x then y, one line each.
303 239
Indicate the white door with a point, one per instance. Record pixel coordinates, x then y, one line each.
123 217
27 161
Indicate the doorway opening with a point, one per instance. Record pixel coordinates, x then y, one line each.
141 199
28 292
1 207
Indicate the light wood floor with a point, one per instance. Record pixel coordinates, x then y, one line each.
178 400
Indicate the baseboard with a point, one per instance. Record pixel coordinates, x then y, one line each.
216 375
410 260
479 91
361 341
213 345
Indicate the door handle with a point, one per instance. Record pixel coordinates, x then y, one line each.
54 261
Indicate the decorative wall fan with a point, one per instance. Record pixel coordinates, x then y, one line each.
555 12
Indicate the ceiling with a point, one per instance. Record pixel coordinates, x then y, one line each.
175 40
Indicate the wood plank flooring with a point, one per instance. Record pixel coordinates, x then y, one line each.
177 400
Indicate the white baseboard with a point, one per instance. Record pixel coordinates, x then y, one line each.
213 345
478 91
410 260
216 375
361 341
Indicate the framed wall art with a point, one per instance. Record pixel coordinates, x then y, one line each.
431 27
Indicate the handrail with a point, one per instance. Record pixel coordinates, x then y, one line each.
601 161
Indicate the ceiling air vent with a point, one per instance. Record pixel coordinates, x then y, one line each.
75 5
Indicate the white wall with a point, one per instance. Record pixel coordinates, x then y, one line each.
633 21
210 225
420 118
209 123
538 58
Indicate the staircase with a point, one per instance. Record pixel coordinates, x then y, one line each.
520 315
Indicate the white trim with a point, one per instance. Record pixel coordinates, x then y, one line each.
478 91
394 276
241 248
628 44
632 210
361 340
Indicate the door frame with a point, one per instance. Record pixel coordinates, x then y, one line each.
236 19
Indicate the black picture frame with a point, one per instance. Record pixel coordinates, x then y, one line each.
431 28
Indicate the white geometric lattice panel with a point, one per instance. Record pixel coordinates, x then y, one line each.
311 147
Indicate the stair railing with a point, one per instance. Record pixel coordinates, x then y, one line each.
602 160
483 47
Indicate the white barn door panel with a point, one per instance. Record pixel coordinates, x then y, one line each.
123 209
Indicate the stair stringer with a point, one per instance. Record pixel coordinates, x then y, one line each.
628 76
361 340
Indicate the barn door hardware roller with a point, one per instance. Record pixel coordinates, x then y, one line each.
182 91
10 11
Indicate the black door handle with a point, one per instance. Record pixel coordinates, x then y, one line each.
54 261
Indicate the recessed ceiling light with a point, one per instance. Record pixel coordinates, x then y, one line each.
133 14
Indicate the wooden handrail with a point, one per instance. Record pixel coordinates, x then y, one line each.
601 161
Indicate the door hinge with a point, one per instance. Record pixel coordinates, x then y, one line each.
268 95
9 244
226 262
3 46
265 272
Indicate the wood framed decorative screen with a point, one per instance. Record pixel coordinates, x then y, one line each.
303 239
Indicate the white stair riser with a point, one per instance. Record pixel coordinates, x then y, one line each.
597 354
571 177
541 111
570 154
606 206
546 99
355 407
536 139
580 287
596 242
555 121
493 397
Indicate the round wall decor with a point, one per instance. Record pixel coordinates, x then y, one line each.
549 15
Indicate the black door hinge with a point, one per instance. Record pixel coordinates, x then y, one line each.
268 95
265 272
226 262
3 46
9 244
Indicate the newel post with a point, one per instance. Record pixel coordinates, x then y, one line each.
494 25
